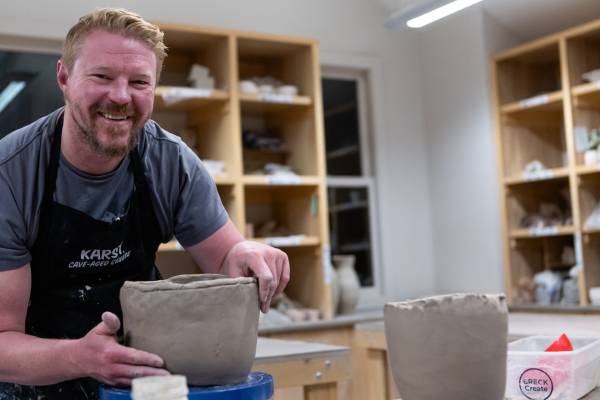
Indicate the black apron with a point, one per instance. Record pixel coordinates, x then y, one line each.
78 267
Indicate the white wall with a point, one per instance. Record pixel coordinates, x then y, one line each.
461 150
347 27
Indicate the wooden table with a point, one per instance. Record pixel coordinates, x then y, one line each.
371 338
303 370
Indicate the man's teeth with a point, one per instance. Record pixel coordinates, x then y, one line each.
114 116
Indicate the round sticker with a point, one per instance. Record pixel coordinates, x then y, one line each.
536 384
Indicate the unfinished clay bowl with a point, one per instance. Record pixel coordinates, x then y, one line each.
450 347
204 326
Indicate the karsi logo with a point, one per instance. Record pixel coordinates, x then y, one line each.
536 384
100 257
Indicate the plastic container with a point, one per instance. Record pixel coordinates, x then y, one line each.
258 386
535 374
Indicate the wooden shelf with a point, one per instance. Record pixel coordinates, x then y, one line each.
542 232
212 122
272 103
587 169
587 94
549 102
289 241
224 180
545 175
191 99
280 180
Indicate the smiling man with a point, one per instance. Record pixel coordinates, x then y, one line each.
87 193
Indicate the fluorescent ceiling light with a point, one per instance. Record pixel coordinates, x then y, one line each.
425 12
440 13
10 92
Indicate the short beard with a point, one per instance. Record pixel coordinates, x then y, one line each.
89 136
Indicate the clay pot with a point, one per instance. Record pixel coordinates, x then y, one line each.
204 326
349 285
449 347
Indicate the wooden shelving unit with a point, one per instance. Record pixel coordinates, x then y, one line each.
543 107
213 121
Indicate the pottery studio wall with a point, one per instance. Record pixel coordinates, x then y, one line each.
346 28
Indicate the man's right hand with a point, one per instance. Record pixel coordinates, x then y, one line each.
100 356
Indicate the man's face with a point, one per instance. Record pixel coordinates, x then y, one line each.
109 92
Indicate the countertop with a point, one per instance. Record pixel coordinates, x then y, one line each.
280 350
339 321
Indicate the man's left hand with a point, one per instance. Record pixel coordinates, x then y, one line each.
270 265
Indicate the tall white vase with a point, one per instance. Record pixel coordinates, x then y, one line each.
349 284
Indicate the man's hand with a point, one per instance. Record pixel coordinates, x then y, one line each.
101 357
270 265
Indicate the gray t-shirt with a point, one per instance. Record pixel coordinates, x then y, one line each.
184 196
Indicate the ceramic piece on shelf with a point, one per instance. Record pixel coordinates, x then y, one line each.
248 86
335 290
348 282
203 326
595 295
288 90
591 76
534 166
590 157
450 347
593 220
266 89
214 167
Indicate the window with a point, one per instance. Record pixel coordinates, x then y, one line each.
350 178
28 88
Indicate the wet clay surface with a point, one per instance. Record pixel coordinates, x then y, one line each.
204 326
449 347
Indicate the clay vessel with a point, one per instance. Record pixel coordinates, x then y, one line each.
335 290
450 347
204 326
349 285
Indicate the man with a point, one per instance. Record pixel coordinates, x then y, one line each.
87 193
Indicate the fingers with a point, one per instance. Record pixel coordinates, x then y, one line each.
133 357
266 286
111 321
270 266
284 272
109 326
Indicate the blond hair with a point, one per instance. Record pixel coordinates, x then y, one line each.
119 21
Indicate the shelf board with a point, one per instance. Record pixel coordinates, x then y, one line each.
592 231
272 103
224 180
545 175
353 205
587 94
204 98
550 231
549 102
289 241
281 180
587 169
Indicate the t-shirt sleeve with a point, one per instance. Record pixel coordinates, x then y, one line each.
13 248
199 211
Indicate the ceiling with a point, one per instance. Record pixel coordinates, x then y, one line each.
528 19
